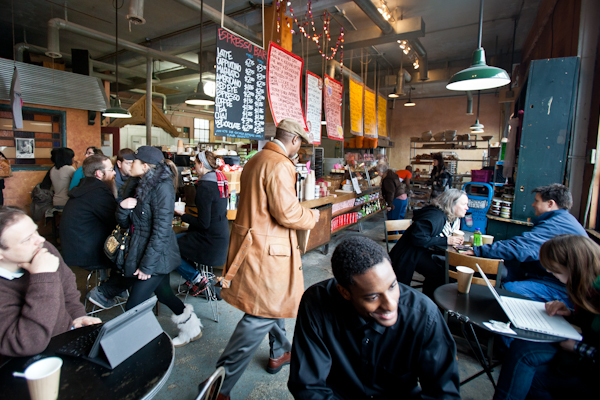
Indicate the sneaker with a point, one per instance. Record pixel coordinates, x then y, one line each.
123 295
199 287
96 297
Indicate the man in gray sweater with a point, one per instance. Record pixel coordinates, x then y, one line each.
38 295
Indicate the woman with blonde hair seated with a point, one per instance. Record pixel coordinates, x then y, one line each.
432 225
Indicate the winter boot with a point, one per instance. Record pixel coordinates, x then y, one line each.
190 327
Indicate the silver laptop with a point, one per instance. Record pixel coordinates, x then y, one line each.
531 315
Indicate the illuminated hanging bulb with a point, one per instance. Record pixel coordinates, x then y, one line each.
416 65
405 51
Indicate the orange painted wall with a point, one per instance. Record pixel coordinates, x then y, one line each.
80 135
437 115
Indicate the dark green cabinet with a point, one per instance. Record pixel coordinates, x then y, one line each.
549 108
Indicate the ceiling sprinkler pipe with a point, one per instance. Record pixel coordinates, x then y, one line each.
136 12
469 102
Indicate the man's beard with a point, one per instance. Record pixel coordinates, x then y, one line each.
112 186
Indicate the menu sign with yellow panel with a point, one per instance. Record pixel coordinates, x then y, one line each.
356 107
370 113
381 116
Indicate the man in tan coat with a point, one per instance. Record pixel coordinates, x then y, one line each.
263 275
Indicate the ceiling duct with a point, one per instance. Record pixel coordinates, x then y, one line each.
469 102
55 24
136 13
51 87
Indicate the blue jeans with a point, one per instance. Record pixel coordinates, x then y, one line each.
187 270
543 371
399 209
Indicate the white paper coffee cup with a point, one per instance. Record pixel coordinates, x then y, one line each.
458 233
43 378
464 278
487 239
180 206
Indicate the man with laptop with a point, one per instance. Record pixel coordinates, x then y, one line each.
526 276
38 295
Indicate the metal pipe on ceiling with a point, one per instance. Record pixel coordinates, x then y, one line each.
229 23
154 94
55 24
149 101
469 102
21 47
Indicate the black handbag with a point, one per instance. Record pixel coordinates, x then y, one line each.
116 246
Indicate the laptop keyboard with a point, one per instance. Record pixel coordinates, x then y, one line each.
81 346
526 316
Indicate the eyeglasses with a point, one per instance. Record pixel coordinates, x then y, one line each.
110 169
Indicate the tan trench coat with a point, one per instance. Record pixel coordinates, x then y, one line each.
263 274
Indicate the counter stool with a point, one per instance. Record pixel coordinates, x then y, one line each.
94 278
211 297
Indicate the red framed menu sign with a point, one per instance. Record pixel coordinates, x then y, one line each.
314 105
333 108
284 81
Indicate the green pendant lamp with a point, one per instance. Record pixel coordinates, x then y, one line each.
479 76
477 127
199 98
115 110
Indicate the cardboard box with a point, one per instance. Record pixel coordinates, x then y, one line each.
233 176
234 186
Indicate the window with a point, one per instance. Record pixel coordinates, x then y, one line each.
201 131
29 148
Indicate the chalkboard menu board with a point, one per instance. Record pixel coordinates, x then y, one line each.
240 87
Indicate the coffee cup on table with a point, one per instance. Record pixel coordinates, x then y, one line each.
458 233
487 239
43 378
464 278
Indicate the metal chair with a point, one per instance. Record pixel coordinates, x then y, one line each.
96 277
209 293
212 386
489 267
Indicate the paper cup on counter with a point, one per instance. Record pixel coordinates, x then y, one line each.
458 233
487 239
465 275
43 378
180 206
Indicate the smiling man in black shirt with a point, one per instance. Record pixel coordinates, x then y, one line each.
362 334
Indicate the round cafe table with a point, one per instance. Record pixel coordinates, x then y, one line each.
141 376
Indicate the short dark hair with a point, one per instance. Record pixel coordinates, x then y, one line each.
92 164
355 255
8 216
62 156
124 152
95 150
557 192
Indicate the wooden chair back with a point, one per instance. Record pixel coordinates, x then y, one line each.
487 265
395 225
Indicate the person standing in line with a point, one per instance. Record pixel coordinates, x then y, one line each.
78 175
122 169
153 251
393 192
61 174
263 275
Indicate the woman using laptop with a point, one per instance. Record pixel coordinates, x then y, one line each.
566 369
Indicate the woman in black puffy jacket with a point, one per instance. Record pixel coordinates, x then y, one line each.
153 251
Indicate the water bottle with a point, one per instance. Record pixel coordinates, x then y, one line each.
477 241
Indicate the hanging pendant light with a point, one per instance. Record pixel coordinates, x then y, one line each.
199 98
410 103
115 110
479 76
477 127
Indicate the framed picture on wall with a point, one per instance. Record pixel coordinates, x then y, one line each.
25 148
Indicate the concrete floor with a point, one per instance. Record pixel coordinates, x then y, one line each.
196 361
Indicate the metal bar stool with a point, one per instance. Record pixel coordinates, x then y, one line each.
95 278
210 295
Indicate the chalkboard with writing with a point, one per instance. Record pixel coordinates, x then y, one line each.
240 87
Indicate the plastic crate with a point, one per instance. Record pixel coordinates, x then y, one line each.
481 175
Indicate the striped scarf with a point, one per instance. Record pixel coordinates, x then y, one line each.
222 184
